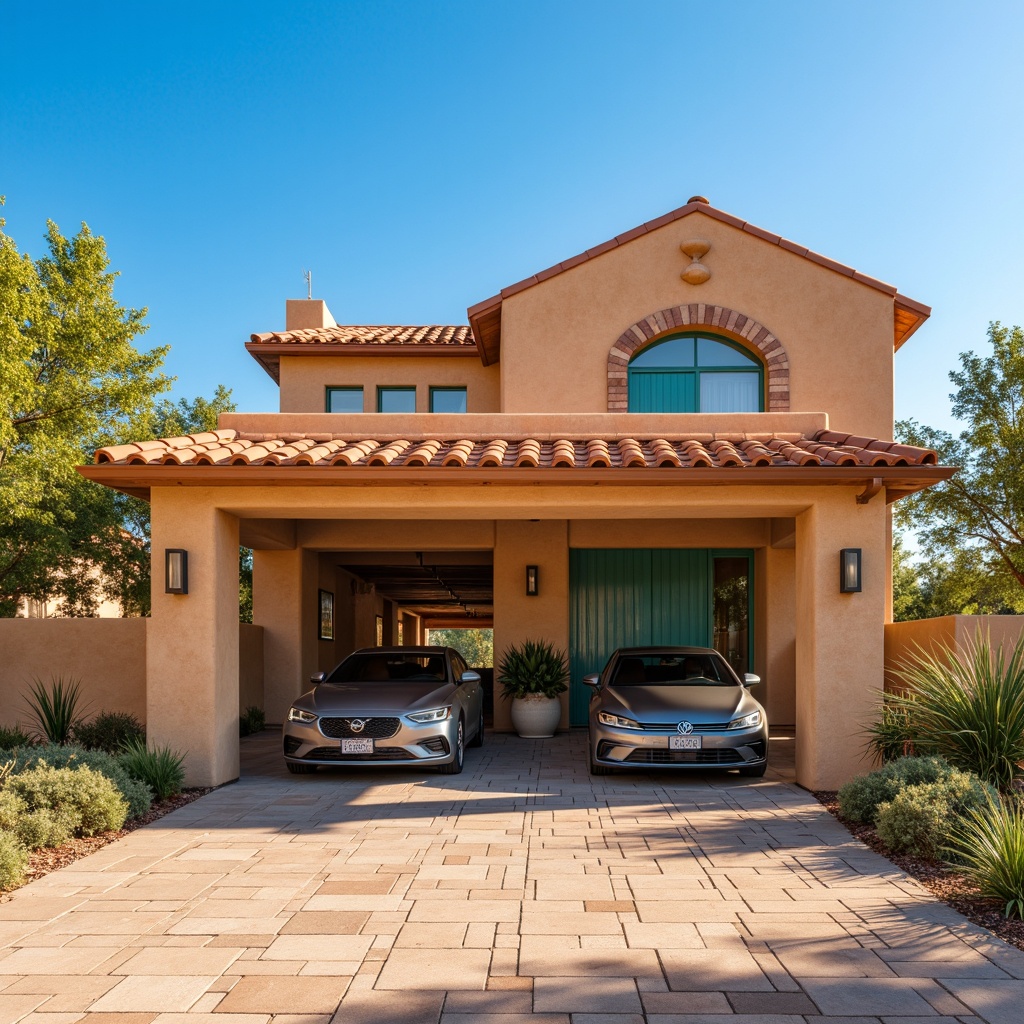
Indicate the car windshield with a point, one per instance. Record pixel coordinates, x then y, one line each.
671 669
387 668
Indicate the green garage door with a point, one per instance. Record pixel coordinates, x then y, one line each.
630 597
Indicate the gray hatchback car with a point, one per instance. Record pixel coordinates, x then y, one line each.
675 707
388 705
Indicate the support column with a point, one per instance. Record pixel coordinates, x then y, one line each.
839 637
192 639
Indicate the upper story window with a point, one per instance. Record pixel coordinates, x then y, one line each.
401 399
695 373
447 399
344 399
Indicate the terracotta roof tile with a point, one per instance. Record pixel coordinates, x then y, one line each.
726 451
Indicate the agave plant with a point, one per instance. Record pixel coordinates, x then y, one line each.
534 667
968 708
55 707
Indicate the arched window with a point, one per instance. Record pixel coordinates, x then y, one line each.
695 373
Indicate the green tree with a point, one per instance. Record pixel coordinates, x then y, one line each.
971 527
475 645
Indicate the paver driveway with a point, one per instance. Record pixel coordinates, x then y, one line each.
520 890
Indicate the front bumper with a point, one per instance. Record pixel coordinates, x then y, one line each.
631 748
322 742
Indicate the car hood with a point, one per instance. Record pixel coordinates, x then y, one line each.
374 698
667 704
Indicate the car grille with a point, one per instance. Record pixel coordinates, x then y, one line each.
654 756
375 728
379 754
698 727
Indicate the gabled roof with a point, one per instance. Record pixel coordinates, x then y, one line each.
358 339
485 317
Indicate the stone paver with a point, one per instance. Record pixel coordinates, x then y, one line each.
522 890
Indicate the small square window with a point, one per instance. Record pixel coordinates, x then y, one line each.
344 399
396 399
447 399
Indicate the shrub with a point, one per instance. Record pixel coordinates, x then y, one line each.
894 734
55 709
33 828
989 842
13 861
160 768
109 731
252 720
87 801
12 736
919 819
533 667
860 798
969 708
137 794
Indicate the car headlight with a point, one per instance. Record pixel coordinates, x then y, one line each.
747 721
616 721
435 715
298 715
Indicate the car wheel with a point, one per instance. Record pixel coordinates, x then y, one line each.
454 767
755 771
300 769
478 739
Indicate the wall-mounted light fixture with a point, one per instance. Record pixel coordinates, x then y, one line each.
175 571
849 571
532 581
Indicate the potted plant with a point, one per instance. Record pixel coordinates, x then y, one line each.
532 675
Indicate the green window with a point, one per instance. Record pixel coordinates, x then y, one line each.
396 399
695 373
447 399
344 399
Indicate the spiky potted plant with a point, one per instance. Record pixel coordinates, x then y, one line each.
532 675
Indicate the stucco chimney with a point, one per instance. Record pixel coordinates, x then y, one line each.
307 314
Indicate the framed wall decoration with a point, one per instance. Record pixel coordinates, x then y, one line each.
326 604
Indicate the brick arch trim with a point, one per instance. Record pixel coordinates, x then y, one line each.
698 314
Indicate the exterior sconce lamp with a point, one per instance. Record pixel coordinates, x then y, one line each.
849 571
175 571
532 581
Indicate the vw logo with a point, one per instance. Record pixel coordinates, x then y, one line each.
357 724
684 728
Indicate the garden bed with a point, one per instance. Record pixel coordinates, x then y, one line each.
947 884
42 862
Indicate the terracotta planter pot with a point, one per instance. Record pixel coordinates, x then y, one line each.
536 716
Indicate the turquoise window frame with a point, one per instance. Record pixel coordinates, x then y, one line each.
449 390
348 389
392 389
689 375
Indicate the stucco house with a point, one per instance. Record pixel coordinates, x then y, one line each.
676 435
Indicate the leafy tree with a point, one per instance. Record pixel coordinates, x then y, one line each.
971 527
475 645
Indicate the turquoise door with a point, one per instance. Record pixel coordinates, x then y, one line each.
628 597
662 391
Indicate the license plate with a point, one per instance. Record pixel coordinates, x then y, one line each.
684 742
357 746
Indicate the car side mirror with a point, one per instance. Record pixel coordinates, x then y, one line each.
749 679
594 680
317 678
470 677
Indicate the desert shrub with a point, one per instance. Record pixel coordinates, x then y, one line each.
12 736
88 801
55 708
252 720
160 768
33 828
969 708
13 861
861 797
109 731
137 794
989 842
894 733
919 819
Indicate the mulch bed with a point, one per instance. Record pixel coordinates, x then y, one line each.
42 862
950 886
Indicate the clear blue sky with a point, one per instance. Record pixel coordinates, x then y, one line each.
418 156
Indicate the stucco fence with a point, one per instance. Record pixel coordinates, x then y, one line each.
108 658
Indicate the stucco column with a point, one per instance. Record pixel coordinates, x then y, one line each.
192 639
284 603
839 637
517 617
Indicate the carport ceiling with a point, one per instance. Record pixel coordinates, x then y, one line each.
431 589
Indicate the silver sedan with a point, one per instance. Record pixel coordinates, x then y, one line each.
678 707
388 705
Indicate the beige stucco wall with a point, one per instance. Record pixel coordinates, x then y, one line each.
250 666
304 379
838 333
